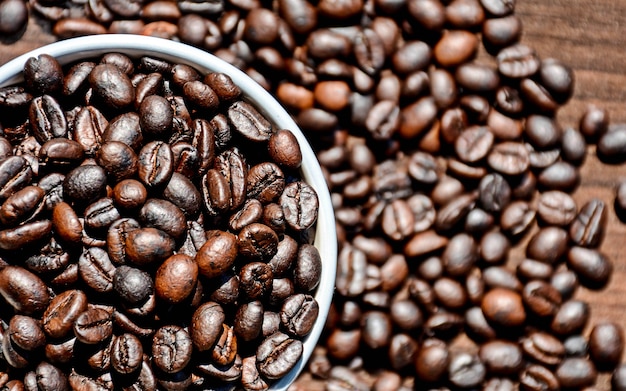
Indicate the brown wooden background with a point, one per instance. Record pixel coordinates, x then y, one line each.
588 35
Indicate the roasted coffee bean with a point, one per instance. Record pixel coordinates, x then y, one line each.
15 17
26 332
93 326
62 311
300 205
576 372
217 254
277 354
557 208
298 314
617 379
570 318
155 164
537 377
466 370
517 217
592 267
588 227
16 173
126 353
148 245
124 128
171 348
606 344
176 278
206 324
22 206
501 357
23 290
248 320
541 298
504 307
132 285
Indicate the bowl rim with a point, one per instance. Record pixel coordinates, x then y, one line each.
80 48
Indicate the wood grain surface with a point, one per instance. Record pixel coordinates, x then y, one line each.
589 36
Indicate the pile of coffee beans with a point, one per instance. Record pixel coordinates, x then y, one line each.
437 130
155 234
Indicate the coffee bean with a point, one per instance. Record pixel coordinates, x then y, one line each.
93 326
277 354
171 348
537 377
592 267
504 307
544 348
501 357
466 370
576 372
606 344
571 317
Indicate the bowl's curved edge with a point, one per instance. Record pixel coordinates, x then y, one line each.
75 49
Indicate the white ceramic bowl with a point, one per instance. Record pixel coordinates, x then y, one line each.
75 49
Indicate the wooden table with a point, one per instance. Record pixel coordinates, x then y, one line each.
588 35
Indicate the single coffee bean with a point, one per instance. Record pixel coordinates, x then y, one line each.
132 285
537 377
298 314
501 357
93 326
544 348
171 348
466 370
277 355
576 372
126 353
606 344
155 162
592 267
23 290
503 307
206 325
248 320
148 245
62 311
571 317
25 332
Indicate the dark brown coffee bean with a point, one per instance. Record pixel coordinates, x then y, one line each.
576 372
96 269
509 158
537 377
559 176
265 182
206 325
26 332
606 344
225 350
171 348
22 206
155 164
501 357
255 280
284 149
93 326
111 86
156 116
300 205
466 370
85 184
23 290
248 320
617 379
62 311
277 355
249 122
148 245
376 329
25 234
165 216
592 267
541 298
517 217
217 254
61 152
571 317
232 165
298 314
588 227
548 245
460 255
126 353
118 160
16 174
556 208
124 128
15 17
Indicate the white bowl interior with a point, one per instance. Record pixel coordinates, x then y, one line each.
75 49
